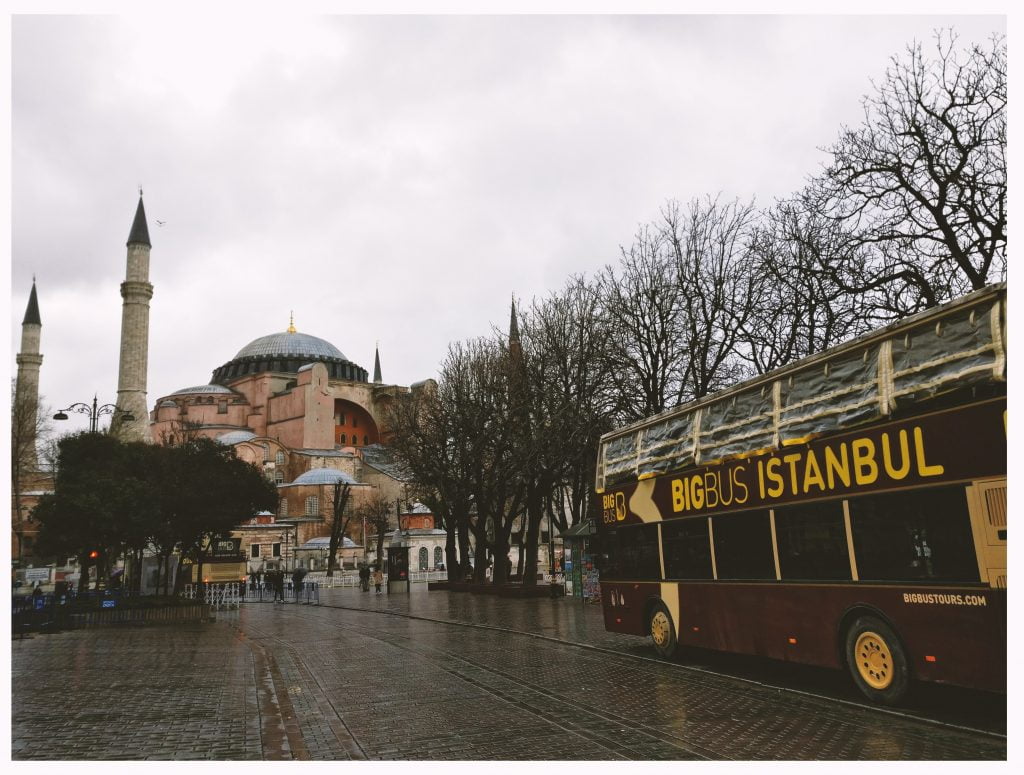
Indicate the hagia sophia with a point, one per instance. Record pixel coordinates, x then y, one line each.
289 402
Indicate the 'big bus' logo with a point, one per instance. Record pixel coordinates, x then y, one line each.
614 507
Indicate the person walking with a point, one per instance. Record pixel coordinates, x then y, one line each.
279 586
378 578
364 577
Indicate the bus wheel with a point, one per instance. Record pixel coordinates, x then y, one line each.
663 631
877 661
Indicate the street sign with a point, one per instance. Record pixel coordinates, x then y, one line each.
108 603
37 574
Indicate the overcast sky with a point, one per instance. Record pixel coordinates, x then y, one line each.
393 179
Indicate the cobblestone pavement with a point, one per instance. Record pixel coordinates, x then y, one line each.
336 682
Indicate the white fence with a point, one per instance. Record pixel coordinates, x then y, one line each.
220 596
342 579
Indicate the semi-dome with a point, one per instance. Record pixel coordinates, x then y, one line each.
203 389
287 352
324 476
235 437
291 344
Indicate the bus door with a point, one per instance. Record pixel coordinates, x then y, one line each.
988 517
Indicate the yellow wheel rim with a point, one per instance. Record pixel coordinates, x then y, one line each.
874 660
660 628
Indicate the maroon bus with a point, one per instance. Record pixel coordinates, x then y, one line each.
848 510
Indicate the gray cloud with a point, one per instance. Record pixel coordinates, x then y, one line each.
389 178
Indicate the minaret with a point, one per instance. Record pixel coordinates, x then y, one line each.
136 292
376 365
27 386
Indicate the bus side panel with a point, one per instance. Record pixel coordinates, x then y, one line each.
951 635
960 631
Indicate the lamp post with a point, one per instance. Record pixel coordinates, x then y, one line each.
94 412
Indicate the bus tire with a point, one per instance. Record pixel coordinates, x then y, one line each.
662 630
877 661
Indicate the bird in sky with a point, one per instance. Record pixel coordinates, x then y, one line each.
160 223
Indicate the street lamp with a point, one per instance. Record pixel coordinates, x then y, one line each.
94 412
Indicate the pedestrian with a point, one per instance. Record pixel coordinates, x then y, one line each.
279 586
378 578
297 576
364 577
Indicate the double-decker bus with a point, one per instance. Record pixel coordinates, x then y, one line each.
847 510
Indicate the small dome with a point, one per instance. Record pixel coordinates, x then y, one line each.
235 437
291 345
324 476
203 389
324 542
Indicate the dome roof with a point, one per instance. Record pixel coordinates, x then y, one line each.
235 437
291 345
324 476
203 389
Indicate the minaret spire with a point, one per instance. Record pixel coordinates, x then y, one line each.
376 364
291 322
26 386
131 418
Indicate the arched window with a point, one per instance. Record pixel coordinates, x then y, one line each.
266 452
343 437
438 557
279 458
278 476
282 510
312 506
423 557
366 440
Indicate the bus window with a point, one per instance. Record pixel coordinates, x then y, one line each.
687 549
631 553
917 535
743 546
812 542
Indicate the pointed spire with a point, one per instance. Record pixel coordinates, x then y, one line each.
32 311
140 231
376 364
513 326
291 322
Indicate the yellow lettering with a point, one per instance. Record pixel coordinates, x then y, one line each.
865 469
793 459
711 488
727 479
890 469
837 467
812 473
760 477
922 467
620 506
738 483
677 495
697 492
774 476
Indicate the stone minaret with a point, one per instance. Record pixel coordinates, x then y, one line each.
136 292
376 366
27 386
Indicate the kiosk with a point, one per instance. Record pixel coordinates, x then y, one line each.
398 563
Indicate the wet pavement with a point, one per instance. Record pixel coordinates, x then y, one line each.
343 681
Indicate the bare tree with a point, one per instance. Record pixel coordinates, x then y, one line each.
799 309
921 183
375 513
341 515
427 437
718 290
641 302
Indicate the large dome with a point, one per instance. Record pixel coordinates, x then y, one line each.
291 345
286 353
